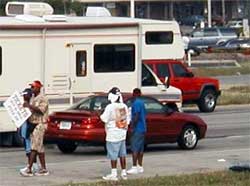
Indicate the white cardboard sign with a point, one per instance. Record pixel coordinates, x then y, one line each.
15 109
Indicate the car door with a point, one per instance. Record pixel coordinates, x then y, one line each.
211 37
184 80
156 120
197 38
80 69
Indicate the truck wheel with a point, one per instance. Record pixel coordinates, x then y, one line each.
188 138
207 101
67 147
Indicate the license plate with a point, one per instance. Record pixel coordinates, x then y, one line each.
65 125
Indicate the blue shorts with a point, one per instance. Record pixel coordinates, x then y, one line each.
137 141
116 149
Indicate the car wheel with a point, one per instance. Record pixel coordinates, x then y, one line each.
188 138
207 101
67 147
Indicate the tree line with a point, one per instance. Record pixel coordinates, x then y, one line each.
60 6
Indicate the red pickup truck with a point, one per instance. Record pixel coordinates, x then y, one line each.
202 91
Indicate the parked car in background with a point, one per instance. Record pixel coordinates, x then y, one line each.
202 38
231 45
202 91
81 124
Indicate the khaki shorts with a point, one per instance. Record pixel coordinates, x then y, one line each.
37 138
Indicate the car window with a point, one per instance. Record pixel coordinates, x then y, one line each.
85 105
94 103
227 32
198 34
179 70
163 70
151 105
210 32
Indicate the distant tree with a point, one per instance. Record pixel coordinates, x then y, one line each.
77 8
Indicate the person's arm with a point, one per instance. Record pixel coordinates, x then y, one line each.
40 109
135 120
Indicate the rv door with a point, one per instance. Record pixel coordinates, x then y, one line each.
80 70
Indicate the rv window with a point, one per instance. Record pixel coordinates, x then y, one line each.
153 38
81 63
114 58
0 61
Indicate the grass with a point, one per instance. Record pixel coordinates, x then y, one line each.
244 68
219 178
235 95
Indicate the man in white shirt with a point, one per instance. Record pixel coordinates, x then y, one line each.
116 119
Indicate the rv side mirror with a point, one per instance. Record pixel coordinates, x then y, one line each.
166 81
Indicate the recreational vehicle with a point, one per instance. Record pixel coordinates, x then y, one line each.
77 56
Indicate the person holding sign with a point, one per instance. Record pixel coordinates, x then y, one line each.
25 131
39 108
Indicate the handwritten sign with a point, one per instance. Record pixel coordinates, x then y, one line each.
15 109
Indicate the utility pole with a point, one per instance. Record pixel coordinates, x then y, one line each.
223 11
132 8
209 17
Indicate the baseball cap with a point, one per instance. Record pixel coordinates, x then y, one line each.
36 83
114 95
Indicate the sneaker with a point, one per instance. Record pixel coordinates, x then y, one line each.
24 169
140 169
133 170
124 176
26 173
42 172
110 177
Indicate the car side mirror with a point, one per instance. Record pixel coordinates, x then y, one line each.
167 81
168 110
190 74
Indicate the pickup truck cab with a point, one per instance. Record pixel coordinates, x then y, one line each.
202 91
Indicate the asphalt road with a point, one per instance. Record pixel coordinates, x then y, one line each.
227 143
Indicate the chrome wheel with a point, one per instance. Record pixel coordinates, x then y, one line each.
190 138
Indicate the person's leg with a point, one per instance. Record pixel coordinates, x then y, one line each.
140 158
42 160
113 164
31 159
123 162
112 154
134 158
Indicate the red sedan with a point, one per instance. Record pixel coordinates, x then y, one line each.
81 124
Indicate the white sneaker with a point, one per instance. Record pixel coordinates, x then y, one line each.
24 169
133 170
124 176
110 177
140 169
26 173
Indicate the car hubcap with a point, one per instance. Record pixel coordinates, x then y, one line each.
190 138
209 100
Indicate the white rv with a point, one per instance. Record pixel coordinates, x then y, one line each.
78 56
